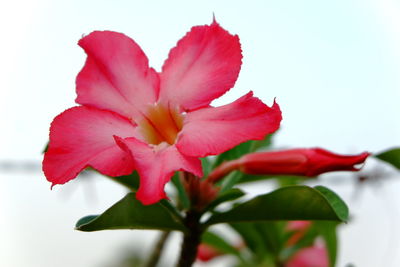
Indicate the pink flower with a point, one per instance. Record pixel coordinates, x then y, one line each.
134 118
301 161
315 256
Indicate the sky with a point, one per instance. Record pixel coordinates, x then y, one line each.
333 66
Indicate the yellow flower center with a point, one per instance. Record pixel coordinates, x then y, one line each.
161 124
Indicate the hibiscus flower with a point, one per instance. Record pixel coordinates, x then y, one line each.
133 118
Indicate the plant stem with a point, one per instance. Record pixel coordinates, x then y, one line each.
157 250
191 239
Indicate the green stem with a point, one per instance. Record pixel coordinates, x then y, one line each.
191 239
158 248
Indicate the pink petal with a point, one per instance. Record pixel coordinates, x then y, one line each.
82 137
211 131
203 66
155 166
116 75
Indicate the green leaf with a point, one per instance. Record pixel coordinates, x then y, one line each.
130 213
391 156
338 205
182 195
219 243
287 203
226 196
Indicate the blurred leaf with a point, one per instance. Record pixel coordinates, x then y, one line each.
391 156
271 235
219 243
230 180
287 203
226 196
252 238
282 180
206 165
182 195
328 231
129 213
243 148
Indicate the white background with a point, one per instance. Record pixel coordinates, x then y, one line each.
333 66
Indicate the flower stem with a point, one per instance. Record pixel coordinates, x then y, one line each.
191 239
158 248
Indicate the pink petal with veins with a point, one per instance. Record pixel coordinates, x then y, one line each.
155 166
210 131
116 75
203 66
82 137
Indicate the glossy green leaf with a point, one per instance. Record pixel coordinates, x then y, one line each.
129 213
391 156
339 207
232 194
287 203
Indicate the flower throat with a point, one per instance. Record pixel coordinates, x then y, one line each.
161 124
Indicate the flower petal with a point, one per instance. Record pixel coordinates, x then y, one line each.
116 75
210 131
82 137
203 66
156 166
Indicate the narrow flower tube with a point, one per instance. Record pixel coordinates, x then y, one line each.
302 161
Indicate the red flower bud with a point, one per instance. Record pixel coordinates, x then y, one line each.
304 162
301 161
200 192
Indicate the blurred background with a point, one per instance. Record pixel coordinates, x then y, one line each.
332 65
